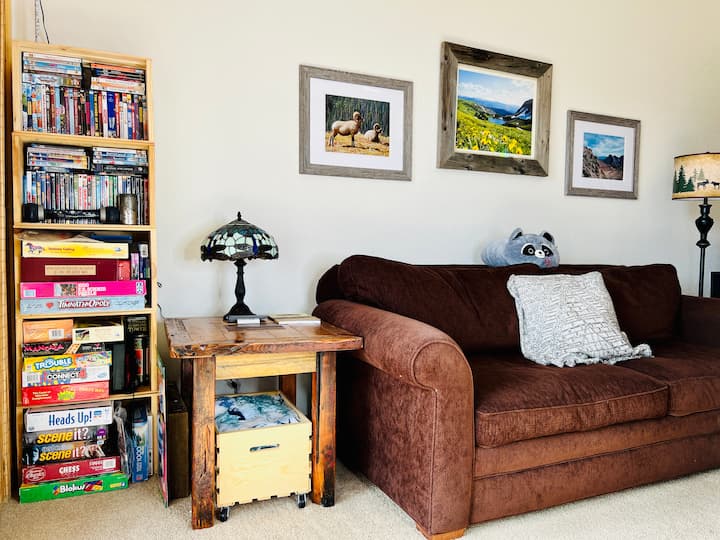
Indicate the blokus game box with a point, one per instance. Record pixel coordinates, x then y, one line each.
69 470
61 489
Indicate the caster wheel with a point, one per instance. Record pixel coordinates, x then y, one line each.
301 500
223 513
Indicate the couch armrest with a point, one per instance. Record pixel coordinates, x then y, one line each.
422 356
700 320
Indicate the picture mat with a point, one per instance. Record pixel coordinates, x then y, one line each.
319 88
503 75
579 181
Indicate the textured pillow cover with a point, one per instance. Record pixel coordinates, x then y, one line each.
569 319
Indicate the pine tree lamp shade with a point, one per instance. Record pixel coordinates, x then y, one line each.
697 176
238 241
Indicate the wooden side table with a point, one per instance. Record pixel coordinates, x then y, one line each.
211 349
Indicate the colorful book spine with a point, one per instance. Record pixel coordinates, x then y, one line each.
65 393
70 488
74 249
70 470
75 375
77 304
62 418
66 361
60 289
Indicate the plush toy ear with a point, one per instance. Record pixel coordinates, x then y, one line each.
547 236
517 233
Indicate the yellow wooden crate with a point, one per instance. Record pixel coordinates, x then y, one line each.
261 463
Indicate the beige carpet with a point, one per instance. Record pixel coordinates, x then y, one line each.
688 508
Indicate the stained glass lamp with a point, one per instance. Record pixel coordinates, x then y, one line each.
697 176
238 241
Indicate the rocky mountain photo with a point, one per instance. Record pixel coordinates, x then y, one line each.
609 167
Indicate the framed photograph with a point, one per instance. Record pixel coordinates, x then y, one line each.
355 125
602 156
494 112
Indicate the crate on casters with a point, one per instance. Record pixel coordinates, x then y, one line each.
263 450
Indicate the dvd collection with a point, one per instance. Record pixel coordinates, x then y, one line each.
63 94
67 178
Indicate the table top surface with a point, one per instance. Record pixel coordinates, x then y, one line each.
211 336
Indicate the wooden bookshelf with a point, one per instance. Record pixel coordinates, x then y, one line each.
145 233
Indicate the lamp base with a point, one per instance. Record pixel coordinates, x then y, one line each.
240 309
237 312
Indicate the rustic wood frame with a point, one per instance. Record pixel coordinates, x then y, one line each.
448 158
574 116
307 167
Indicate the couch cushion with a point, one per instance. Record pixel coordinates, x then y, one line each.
469 303
646 300
516 399
692 373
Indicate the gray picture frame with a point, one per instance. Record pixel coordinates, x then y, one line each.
307 73
571 172
448 156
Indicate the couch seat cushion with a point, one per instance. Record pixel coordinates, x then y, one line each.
516 399
692 373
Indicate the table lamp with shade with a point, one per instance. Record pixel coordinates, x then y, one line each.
697 176
238 241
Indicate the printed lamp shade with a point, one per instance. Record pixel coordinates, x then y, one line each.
238 240
697 176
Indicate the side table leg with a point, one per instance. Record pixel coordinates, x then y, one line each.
323 421
203 443
288 386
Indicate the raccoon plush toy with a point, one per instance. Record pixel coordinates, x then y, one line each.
539 249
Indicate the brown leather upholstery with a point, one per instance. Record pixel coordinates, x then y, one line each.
516 399
692 372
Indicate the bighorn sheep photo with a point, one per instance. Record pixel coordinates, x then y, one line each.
346 127
373 135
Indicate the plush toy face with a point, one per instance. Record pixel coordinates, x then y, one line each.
539 249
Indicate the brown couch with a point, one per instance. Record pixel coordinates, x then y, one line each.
441 411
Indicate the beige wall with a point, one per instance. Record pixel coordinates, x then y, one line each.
226 102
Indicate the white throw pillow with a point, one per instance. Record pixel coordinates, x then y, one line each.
567 320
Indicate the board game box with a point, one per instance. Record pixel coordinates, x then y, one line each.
63 393
55 418
60 489
93 433
58 362
42 454
73 375
70 469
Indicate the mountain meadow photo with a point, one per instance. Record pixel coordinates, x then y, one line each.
355 125
494 112
602 156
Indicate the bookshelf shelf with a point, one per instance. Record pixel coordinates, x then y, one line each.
37 181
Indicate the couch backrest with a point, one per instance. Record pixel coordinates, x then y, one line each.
472 305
